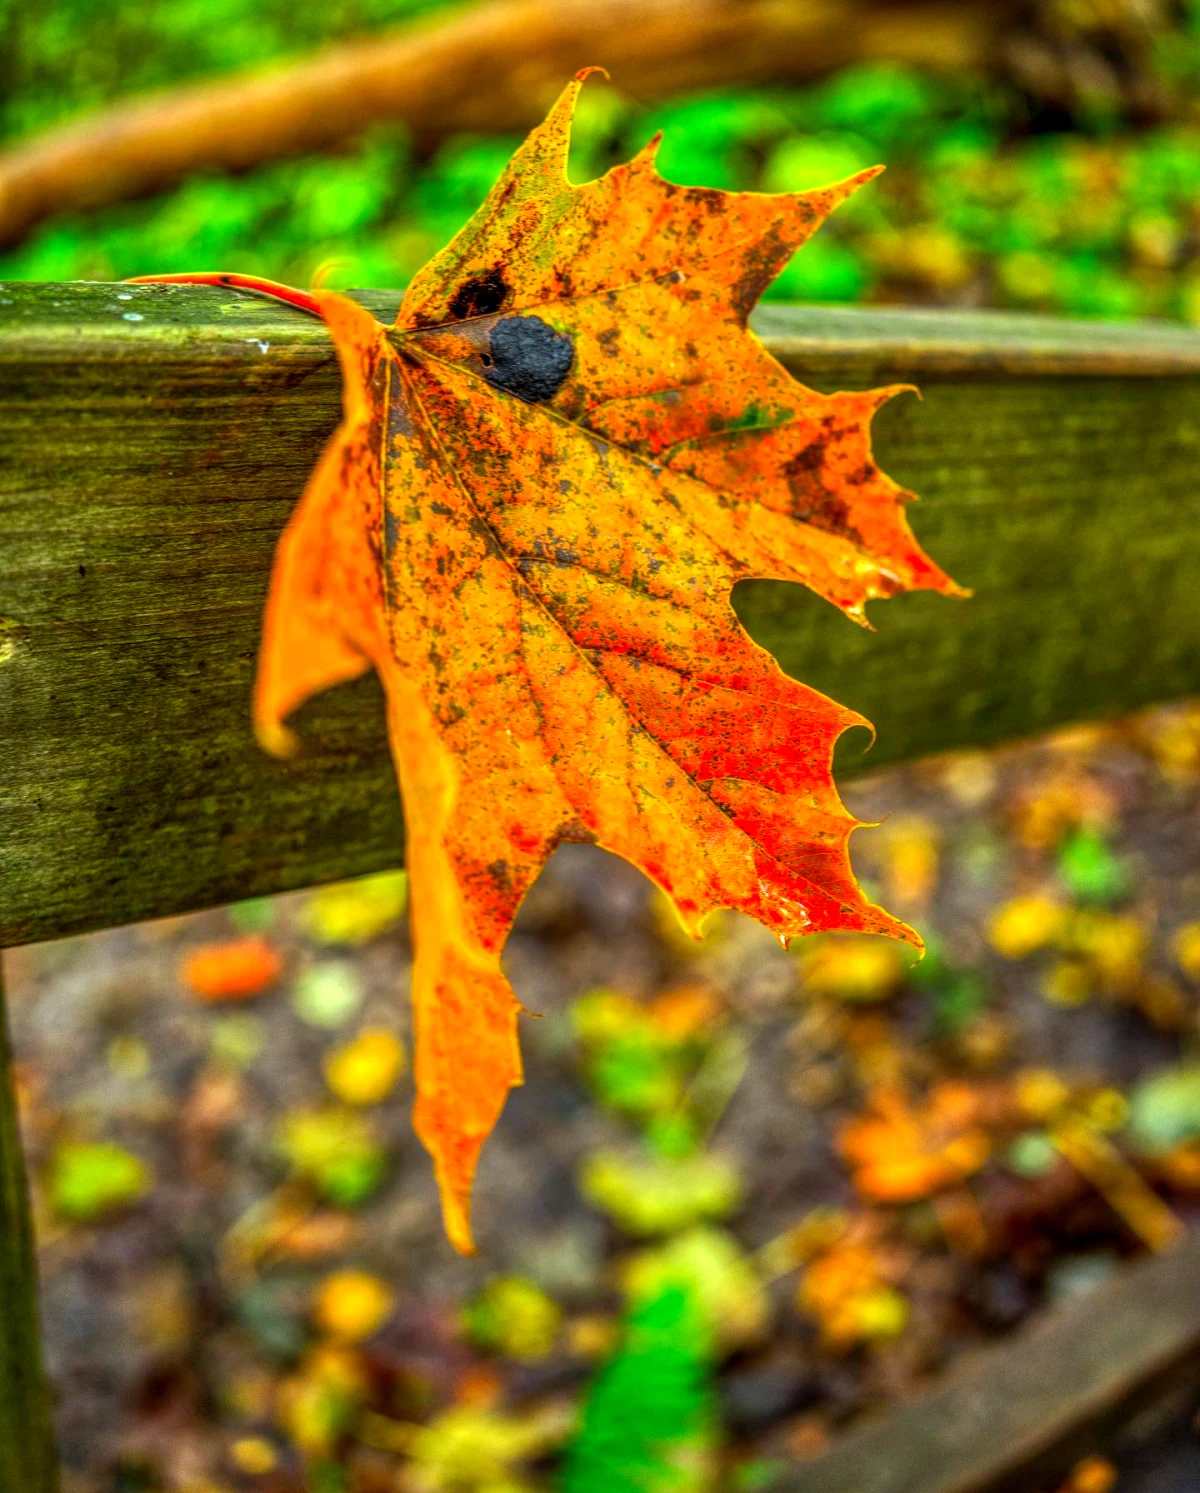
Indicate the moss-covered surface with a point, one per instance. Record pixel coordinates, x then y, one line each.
156 439
27 1463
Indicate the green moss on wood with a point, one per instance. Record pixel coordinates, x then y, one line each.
27 1461
149 465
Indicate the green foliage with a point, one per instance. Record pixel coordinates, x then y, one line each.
328 994
719 1277
1090 870
648 1422
633 1066
513 1316
68 55
1032 1154
975 208
645 1194
956 996
336 1151
91 1181
1165 1110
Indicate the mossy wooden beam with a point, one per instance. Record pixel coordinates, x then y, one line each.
1093 1373
27 1459
155 439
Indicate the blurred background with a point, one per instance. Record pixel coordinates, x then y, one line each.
747 1196
1042 156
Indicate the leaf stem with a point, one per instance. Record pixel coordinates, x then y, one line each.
302 299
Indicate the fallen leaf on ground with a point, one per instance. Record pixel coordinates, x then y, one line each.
350 1306
90 1181
355 912
366 1069
235 970
899 1152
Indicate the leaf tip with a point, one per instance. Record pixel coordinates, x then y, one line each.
648 154
275 739
456 1213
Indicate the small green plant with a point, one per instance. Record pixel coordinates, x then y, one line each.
650 1415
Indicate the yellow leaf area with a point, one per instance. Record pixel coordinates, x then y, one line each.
552 470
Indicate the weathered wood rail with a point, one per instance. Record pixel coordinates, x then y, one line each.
152 442
156 437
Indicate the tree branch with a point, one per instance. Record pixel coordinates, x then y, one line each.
491 68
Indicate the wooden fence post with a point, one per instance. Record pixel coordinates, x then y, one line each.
27 1459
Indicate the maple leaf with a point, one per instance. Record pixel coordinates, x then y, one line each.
551 471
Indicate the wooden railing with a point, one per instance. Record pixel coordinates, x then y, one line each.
154 439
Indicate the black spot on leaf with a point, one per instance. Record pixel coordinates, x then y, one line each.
480 296
529 358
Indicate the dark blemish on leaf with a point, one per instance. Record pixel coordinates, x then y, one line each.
811 459
83 571
441 510
813 501
529 358
391 531
400 426
480 296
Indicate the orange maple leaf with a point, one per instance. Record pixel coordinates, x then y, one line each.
551 470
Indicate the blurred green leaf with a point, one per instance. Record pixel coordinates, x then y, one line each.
648 1194
90 1181
649 1419
513 1316
1164 1110
336 1150
1090 869
328 994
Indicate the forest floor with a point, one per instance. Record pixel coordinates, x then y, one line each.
857 1168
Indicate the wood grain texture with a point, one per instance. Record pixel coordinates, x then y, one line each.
1015 1417
156 438
27 1460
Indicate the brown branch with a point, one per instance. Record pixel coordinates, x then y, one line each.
491 68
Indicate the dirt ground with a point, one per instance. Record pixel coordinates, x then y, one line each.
870 1168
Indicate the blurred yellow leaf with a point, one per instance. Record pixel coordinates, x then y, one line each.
647 1194
351 1305
92 1181
253 1455
514 1316
355 912
1025 924
1068 983
852 968
1185 945
365 1070
318 1404
911 855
